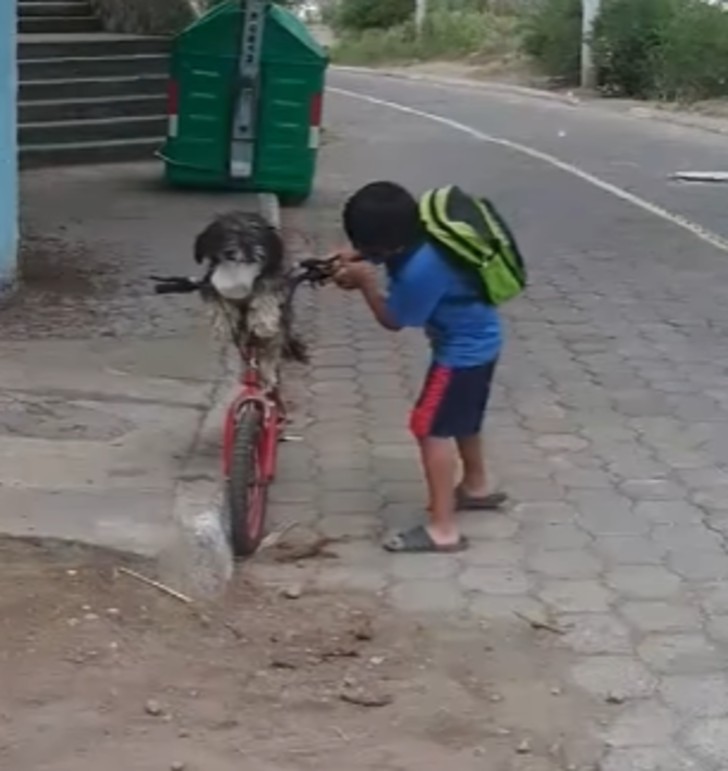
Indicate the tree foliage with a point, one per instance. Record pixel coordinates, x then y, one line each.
553 37
662 49
626 39
654 49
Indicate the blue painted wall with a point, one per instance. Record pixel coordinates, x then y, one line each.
8 145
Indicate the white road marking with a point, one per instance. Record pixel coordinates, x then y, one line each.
701 176
718 241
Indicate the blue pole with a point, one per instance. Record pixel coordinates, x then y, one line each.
8 144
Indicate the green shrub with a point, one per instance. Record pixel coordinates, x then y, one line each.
465 33
627 39
663 49
498 7
445 35
361 15
692 62
552 36
461 5
371 47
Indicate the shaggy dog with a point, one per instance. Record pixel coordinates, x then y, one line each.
248 280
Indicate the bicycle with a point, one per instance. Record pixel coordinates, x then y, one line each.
254 420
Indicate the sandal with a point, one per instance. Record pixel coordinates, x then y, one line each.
492 502
419 541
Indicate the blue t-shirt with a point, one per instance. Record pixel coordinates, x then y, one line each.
426 290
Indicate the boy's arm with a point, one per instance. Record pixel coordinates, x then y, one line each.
377 303
361 276
411 300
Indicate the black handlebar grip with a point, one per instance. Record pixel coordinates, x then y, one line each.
175 288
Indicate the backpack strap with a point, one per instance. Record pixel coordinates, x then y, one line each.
456 220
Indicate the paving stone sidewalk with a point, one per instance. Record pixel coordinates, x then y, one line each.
608 429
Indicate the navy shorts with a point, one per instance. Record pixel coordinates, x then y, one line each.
453 402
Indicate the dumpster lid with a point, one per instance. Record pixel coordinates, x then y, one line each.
297 29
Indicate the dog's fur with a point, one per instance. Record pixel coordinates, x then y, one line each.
246 276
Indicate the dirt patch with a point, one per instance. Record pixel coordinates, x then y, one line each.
57 268
102 671
69 288
64 286
513 69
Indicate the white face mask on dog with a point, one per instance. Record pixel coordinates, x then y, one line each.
234 281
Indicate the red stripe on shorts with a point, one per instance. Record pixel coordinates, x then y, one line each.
429 402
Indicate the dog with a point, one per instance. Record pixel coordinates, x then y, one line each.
246 276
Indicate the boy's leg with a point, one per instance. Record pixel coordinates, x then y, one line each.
473 493
452 405
439 462
475 478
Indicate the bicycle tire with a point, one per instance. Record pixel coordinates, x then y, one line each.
247 491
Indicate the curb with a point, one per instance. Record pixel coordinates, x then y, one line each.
636 111
702 123
270 208
481 85
199 562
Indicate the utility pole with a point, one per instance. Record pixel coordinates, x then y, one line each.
420 14
590 11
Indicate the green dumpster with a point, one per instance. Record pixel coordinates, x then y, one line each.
245 101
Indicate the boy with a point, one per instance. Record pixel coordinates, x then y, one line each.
428 290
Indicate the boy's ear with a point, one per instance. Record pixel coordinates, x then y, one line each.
208 242
200 248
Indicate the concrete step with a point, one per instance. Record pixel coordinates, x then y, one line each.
75 153
93 88
86 96
91 67
79 46
54 9
92 109
57 24
102 130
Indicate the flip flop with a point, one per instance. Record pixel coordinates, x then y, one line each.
418 541
492 502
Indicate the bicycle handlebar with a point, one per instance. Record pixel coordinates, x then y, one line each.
313 271
176 285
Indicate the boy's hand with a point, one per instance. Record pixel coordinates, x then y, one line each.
354 275
347 255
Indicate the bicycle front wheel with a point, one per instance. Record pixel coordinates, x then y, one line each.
247 487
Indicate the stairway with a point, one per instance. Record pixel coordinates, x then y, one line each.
86 96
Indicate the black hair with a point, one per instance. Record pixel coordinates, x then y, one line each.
382 217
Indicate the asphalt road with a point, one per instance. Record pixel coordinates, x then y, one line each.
635 154
609 423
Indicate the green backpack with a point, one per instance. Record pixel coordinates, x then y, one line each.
472 232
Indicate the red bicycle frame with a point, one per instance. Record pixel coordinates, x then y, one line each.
252 391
